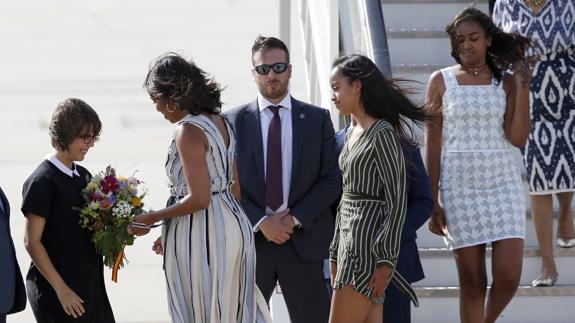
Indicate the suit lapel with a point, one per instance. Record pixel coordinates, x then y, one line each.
298 122
5 203
253 128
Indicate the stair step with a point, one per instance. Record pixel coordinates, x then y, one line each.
426 14
531 305
403 69
453 291
527 252
408 51
441 270
430 1
415 33
426 239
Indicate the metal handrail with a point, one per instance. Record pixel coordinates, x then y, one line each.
319 22
353 25
363 30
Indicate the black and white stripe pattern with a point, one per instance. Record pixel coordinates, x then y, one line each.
371 213
209 256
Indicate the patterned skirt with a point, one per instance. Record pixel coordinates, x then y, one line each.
482 196
550 151
209 263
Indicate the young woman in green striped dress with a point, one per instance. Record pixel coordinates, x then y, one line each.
371 213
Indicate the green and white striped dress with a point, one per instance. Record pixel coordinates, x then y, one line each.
372 210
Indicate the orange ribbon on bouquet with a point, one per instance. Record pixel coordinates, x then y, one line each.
116 266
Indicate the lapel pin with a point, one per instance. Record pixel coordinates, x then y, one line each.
302 116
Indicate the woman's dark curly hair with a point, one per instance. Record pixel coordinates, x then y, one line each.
506 48
184 83
382 98
73 119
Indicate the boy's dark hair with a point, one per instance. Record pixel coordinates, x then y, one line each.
73 119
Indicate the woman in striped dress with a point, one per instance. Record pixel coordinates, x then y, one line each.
371 213
208 244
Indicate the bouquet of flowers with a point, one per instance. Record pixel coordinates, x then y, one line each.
111 202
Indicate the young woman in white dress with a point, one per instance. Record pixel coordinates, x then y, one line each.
483 113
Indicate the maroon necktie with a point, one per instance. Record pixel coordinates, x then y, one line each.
274 186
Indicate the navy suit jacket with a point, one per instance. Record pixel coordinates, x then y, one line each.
12 291
315 182
419 206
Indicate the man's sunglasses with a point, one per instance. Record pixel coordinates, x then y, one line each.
265 69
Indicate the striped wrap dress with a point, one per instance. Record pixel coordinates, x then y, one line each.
209 256
372 210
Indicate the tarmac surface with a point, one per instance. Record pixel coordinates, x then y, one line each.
100 51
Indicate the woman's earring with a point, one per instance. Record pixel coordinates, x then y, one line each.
170 110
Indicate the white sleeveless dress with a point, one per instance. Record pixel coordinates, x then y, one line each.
480 185
209 256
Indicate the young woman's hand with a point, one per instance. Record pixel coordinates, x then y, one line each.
378 280
71 303
157 247
522 73
437 223
332 272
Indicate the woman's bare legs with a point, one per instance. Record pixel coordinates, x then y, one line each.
375 314
506 265
542 215
472 283
349 306
565 229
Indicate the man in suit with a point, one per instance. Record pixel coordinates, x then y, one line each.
288 176
339 142
12 292
397 307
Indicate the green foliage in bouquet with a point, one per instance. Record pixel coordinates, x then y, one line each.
111 203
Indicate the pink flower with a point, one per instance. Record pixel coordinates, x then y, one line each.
104 204
96 196
109 184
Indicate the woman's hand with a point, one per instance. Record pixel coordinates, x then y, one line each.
522 74
332 272
378 280
437 222
71 302
157 247
138 224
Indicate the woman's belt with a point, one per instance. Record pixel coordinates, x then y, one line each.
355 196
396 277
174 194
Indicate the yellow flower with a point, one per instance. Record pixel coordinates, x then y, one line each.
136 202
92 186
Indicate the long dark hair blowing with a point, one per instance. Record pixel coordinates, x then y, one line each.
382 98
506 48
184 83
